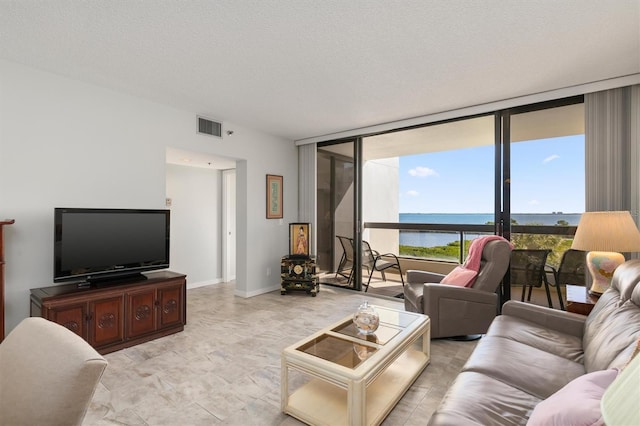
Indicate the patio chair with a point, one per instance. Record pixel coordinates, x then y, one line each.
570 271
527 269
374 261
572 268
346 261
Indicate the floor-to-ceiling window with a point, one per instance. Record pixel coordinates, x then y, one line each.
547 173
437 174
427 191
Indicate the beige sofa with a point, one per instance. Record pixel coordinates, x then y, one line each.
531 352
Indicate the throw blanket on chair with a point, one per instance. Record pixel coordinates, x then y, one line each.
465 274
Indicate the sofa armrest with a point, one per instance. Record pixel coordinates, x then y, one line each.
438 291
415 276
565 322
458 311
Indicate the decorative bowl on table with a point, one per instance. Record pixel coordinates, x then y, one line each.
366 319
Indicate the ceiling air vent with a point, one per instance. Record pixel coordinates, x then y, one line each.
209 127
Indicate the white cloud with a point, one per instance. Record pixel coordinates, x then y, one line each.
534 202
413 193
422 172
550 158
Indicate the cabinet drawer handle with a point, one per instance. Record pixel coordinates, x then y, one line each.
72 325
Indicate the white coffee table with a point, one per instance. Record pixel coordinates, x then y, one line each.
351 379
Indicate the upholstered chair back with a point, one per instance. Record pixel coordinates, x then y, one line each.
493 265
48 375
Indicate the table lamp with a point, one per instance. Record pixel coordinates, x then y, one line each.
604 235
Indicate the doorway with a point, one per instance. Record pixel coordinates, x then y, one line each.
201 194
228 225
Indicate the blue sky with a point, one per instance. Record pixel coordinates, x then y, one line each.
547 175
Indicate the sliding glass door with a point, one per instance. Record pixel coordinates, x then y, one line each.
544 189
336 192
423 193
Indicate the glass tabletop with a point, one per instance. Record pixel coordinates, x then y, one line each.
340 351
349 351
393 317
382 335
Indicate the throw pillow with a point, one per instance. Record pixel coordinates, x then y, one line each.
577 403
460 276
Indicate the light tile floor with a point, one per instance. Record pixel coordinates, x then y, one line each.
224 368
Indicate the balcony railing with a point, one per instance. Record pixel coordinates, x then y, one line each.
553 237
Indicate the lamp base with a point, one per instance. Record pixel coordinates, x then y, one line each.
601 265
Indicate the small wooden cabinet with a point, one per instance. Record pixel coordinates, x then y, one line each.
298 273
112 317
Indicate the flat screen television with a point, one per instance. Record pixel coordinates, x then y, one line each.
109 245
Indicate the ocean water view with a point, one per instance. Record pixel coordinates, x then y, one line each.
431 239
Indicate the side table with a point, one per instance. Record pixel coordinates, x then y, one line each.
299 273
579 301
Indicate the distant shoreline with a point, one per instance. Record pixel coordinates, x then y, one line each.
482 218
431 239
528 214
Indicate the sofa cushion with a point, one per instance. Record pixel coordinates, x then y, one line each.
477 399
613 326
537 336
625 281
578 403
614 322
524 367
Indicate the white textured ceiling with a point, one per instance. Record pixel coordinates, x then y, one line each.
305 68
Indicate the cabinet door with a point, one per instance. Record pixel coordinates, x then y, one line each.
73 317
171 305
106 324
141 312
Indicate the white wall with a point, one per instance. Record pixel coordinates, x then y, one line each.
196 223
64 143
381 202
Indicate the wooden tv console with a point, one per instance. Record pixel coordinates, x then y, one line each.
117 316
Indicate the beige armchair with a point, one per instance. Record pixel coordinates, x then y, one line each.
460 311
48 375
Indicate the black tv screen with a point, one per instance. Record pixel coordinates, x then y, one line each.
109 244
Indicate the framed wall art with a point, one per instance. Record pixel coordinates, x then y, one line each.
299 240
274 197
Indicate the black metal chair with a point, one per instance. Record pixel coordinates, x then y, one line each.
375 261
345 267
371 260
570 271
527 269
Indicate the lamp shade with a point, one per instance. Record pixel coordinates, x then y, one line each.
607 231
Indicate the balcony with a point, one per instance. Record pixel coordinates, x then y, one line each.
443 257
